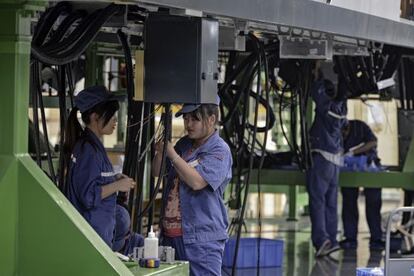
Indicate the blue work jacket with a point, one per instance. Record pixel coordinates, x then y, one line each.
89 170
330 115
203 215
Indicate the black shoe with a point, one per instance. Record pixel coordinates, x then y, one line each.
324 249
333 249
333 253
348 244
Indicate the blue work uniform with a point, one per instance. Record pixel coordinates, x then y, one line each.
203 215
89 170
124 240
322 178
360 133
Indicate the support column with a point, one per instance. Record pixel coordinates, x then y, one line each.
14 96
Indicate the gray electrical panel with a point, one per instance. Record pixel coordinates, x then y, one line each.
180 59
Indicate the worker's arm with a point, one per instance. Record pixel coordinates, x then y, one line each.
122 185
187 174
364 148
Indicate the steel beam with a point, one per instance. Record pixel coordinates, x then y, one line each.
303 14
346 179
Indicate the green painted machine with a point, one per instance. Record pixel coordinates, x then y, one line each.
41 233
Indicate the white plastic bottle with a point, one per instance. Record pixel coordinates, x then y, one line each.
151 246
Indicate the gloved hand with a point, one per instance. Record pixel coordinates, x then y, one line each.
349 154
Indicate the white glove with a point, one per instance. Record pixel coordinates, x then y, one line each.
349 154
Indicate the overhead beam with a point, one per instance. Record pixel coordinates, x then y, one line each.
307 15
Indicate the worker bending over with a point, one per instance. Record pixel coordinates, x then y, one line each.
360 140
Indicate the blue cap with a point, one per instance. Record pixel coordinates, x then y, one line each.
188 108
91 96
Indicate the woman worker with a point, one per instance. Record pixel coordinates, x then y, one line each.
92 185
194 219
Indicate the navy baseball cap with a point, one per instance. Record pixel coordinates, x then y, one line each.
188 108
91 96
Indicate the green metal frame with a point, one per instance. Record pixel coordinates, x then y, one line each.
41 232
409 159
293 181
385 179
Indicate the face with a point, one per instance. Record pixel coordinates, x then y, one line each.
109 128
197 129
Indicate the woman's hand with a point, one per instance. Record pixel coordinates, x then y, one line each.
171 153
125 184
120 176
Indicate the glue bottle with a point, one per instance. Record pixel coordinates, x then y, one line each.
151 246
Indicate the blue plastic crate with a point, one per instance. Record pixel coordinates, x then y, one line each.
271 253
264 271
356 163
369 271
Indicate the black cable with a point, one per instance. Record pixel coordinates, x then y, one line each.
75 50
267 125
167 129
62 116
77 33
47 20
35 115
281 120
44 124
247 179
303 104
64 27
71 83
151 127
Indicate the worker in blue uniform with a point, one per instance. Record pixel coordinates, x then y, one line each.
360 140
125 240
91 184
322 177
194 219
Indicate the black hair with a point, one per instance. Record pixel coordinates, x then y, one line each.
330 88
204 111
74 130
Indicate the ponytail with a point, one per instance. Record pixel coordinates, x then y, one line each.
73 132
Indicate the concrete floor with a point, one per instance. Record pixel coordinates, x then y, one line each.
298 256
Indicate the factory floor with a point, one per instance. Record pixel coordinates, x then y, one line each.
299 260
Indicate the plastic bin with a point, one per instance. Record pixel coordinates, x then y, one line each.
264 271
356 163
369 271
271 253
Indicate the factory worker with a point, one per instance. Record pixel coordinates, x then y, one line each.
360 140
194 219
124 240
322 177
91 183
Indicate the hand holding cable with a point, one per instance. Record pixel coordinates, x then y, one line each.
125 184
171 153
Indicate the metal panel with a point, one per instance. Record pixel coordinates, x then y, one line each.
8 216
53 238
305 14
180 59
